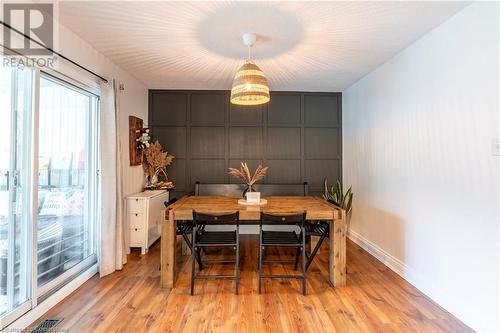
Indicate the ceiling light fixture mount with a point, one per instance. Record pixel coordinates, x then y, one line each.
249 84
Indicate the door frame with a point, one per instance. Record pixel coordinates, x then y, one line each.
37 295
20 174
41 293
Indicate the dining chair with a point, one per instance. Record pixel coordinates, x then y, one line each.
185 229
313 228
215 239
282 239
316 228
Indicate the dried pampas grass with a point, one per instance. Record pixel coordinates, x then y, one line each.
155 159
243 173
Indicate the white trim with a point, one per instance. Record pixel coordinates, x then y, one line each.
30 317
70 82
34 188
396 265
14 314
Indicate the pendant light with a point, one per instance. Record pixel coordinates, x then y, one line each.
250 84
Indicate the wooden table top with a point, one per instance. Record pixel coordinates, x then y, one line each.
315 207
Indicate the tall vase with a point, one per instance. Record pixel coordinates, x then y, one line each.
248 189
151 181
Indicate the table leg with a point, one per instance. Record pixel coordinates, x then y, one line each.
337 265
168 246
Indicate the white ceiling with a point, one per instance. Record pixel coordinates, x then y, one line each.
307 46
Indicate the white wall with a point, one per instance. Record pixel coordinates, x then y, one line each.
417 152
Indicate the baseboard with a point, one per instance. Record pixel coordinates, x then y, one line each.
386 258
448 303
30 317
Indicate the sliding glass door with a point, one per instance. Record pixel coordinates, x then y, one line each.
15 191
67 195
49 193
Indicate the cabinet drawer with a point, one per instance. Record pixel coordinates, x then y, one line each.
135 206
136 220
137 237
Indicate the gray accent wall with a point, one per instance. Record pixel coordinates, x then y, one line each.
298 135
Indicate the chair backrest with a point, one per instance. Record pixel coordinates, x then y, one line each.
219 219
283 219
227 190
282 189
236 190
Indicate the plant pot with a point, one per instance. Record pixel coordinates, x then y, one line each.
248 189
151 182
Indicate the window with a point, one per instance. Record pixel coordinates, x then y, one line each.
49 192
67 141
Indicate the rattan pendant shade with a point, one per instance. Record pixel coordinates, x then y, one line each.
249 86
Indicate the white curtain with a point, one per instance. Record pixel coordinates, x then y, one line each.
112 241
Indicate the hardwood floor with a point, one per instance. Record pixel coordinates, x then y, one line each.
374 300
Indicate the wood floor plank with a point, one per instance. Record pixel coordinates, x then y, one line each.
375 299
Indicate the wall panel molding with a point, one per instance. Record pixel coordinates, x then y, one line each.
298 135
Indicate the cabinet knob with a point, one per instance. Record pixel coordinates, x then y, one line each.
136 214
135 229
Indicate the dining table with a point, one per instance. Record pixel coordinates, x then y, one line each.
316 209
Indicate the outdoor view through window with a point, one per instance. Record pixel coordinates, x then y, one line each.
48 185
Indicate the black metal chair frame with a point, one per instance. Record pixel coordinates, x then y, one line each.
185 229
313 228
202 238
285 239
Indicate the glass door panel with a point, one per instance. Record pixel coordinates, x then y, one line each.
15 191
48 187
66 176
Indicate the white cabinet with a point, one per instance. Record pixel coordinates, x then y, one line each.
143 212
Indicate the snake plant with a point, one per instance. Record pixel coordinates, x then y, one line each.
336 195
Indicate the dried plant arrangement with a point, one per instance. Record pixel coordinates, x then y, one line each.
154 163
243 174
